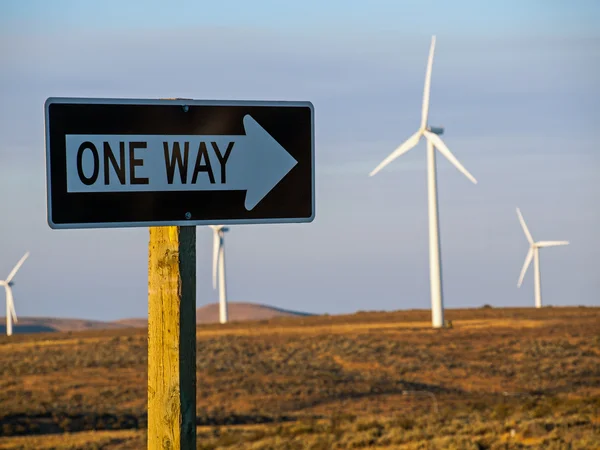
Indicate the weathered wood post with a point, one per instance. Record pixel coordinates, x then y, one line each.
172 338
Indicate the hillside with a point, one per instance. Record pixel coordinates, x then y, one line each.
208 314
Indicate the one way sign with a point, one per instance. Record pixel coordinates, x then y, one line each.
125 163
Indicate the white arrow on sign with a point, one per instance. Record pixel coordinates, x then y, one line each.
254 162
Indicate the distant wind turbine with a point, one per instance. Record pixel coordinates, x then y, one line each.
433 141
11 314
219 260
534 252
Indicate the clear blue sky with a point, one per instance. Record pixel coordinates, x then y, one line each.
515 84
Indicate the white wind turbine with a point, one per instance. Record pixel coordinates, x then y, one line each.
534 252
219 260
431 135
11 314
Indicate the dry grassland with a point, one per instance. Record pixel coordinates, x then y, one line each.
498 379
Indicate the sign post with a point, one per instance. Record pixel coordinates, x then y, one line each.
172 338
171 165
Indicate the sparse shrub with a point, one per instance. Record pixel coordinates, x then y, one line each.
534 429
542 410
369 425
320 443
482 445
501 411
405 423
479 405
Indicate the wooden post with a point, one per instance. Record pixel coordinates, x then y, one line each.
172 338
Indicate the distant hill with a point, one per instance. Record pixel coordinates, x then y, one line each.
51 324
238 311
135 322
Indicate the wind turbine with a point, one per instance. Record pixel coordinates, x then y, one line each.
219 259
534 252
431 135
11 314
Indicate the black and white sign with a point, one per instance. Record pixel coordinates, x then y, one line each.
124 162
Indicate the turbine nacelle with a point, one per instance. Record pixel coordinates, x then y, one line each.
435 130
219 228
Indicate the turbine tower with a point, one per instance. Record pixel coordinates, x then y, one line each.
219 260
534 252
434 141
11 314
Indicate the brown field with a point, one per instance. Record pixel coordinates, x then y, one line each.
498 379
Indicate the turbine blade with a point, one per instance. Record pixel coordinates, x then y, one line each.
216 245
17 267
425 108
528 259
402 148
551 243
11 303
524 226
439 144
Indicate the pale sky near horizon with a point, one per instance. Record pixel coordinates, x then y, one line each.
515 84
